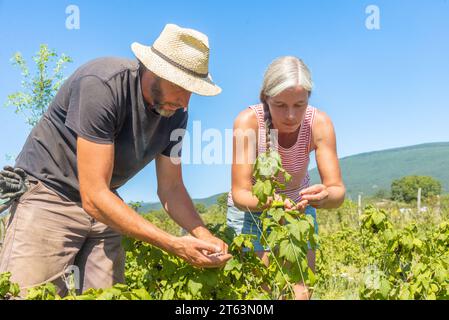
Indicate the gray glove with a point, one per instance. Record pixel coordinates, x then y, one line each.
13 184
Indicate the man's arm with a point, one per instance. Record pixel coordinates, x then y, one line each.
177 202
95 166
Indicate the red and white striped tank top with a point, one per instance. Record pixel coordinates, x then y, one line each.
295 159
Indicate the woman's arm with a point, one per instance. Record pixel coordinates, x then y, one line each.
331 193
244 155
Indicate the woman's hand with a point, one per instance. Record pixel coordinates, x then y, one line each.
287 203
316 196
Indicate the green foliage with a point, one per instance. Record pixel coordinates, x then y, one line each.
38 90
222 201
340 263
286 233
406 188
384 255
405 263
7 289
44 292
162 220
200 208
135 205
154 274
382 194
117 292
168 277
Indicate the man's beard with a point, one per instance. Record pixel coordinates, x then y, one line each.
157 97
164 113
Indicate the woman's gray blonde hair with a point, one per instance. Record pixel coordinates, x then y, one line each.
283 73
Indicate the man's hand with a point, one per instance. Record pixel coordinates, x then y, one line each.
316 195
209 237
204 234
200 253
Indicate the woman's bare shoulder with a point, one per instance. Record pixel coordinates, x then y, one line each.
321 118
322 126
246 119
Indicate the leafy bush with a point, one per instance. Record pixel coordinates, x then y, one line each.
38 90
406 188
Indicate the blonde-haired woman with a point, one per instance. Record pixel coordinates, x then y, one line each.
301 129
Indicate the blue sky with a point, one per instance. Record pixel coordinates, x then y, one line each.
382 88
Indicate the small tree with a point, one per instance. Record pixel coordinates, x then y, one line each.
406 188
39 89
200 208
222 201
135 205
381 194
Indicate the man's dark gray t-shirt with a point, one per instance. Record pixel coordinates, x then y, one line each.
101 102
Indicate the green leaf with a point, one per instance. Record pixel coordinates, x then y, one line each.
233 264
288 250
238 241
274 237
259 191
267 166
142 294
267 188
237 274
277 204
194 286
168 294
311 277
299 229
384 288
209 277
277 214
82 297
417 243
377 217
14 289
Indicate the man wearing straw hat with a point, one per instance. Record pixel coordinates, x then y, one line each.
108 121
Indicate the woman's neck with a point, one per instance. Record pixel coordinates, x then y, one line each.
288 139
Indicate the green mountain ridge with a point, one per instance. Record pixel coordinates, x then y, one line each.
369 172
372 171
150 206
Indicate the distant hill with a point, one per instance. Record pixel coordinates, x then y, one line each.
369 172
147 206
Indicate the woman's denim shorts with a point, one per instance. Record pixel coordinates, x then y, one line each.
243 223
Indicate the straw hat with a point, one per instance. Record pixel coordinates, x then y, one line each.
180 56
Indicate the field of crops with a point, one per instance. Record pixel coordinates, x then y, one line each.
381 254
388 250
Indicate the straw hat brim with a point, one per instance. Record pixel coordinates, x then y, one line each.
167 71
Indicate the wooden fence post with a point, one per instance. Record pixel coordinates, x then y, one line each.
419 200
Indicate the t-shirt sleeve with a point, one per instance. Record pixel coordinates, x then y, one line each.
92 112
174 148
